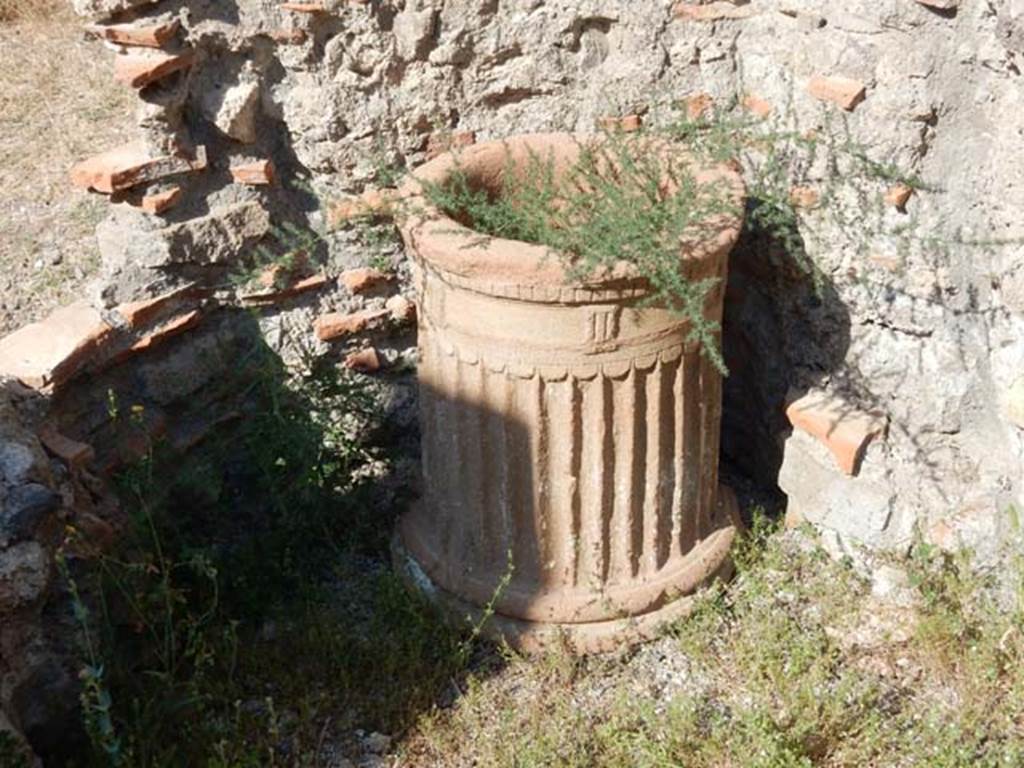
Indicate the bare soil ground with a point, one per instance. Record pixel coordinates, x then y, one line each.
58 104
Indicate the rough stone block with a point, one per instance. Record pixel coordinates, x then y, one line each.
139 69
855 508
51 351
842 91
841 427
24 575
218 237
24 510
414 33
233 109
74 453
402 310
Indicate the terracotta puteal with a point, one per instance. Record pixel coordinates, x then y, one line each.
570 431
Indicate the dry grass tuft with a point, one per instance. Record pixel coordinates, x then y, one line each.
31 10
58 104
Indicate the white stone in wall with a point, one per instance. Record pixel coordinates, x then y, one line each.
234 108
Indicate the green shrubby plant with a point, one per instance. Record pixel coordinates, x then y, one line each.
244 584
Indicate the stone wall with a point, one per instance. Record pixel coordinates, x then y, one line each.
887 401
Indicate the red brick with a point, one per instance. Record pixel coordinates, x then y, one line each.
72 452
363 360
128 166
161 201
300 286
898 196
258 173
172 327
336 325
51 351
363 279
845 430
145 36
138 314
843 91
140 69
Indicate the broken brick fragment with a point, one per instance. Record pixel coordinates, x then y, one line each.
898 196
757 106
72 452
163 332
139 69
298 287
336 325
51 351
363 360
841 427
259 173
129 165
842 91
144 36
161 201
363 279
137 314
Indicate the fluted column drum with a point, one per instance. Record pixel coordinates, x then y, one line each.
570 436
